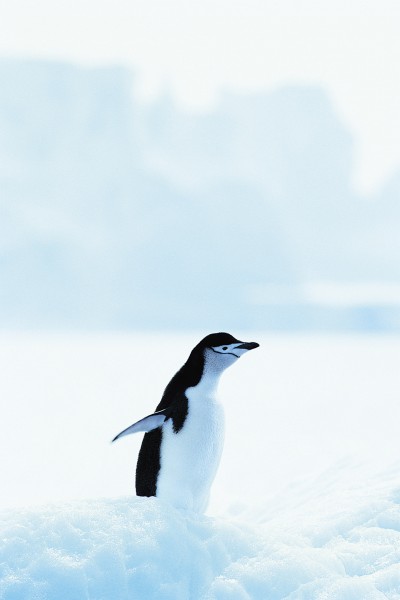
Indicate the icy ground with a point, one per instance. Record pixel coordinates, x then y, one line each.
319 542
306 504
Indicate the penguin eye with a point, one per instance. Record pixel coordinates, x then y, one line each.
225 348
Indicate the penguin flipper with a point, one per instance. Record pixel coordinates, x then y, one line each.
146 424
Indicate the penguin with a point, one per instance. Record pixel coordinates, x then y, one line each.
183 440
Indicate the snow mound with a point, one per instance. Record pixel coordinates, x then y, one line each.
115 549
140 548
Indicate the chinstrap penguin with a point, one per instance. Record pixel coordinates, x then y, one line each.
182 447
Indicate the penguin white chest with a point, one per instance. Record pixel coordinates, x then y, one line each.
190 458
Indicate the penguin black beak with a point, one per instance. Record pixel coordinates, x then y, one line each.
247 346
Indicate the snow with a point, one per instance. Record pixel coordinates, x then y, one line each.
336 545
305 505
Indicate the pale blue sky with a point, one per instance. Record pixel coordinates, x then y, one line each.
195 50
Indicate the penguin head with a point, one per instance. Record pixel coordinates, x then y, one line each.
220 350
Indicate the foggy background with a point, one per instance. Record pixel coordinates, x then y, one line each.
177 167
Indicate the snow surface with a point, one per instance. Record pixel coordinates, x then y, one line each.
305 506
319 542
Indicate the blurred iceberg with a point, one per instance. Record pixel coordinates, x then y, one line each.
117 214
